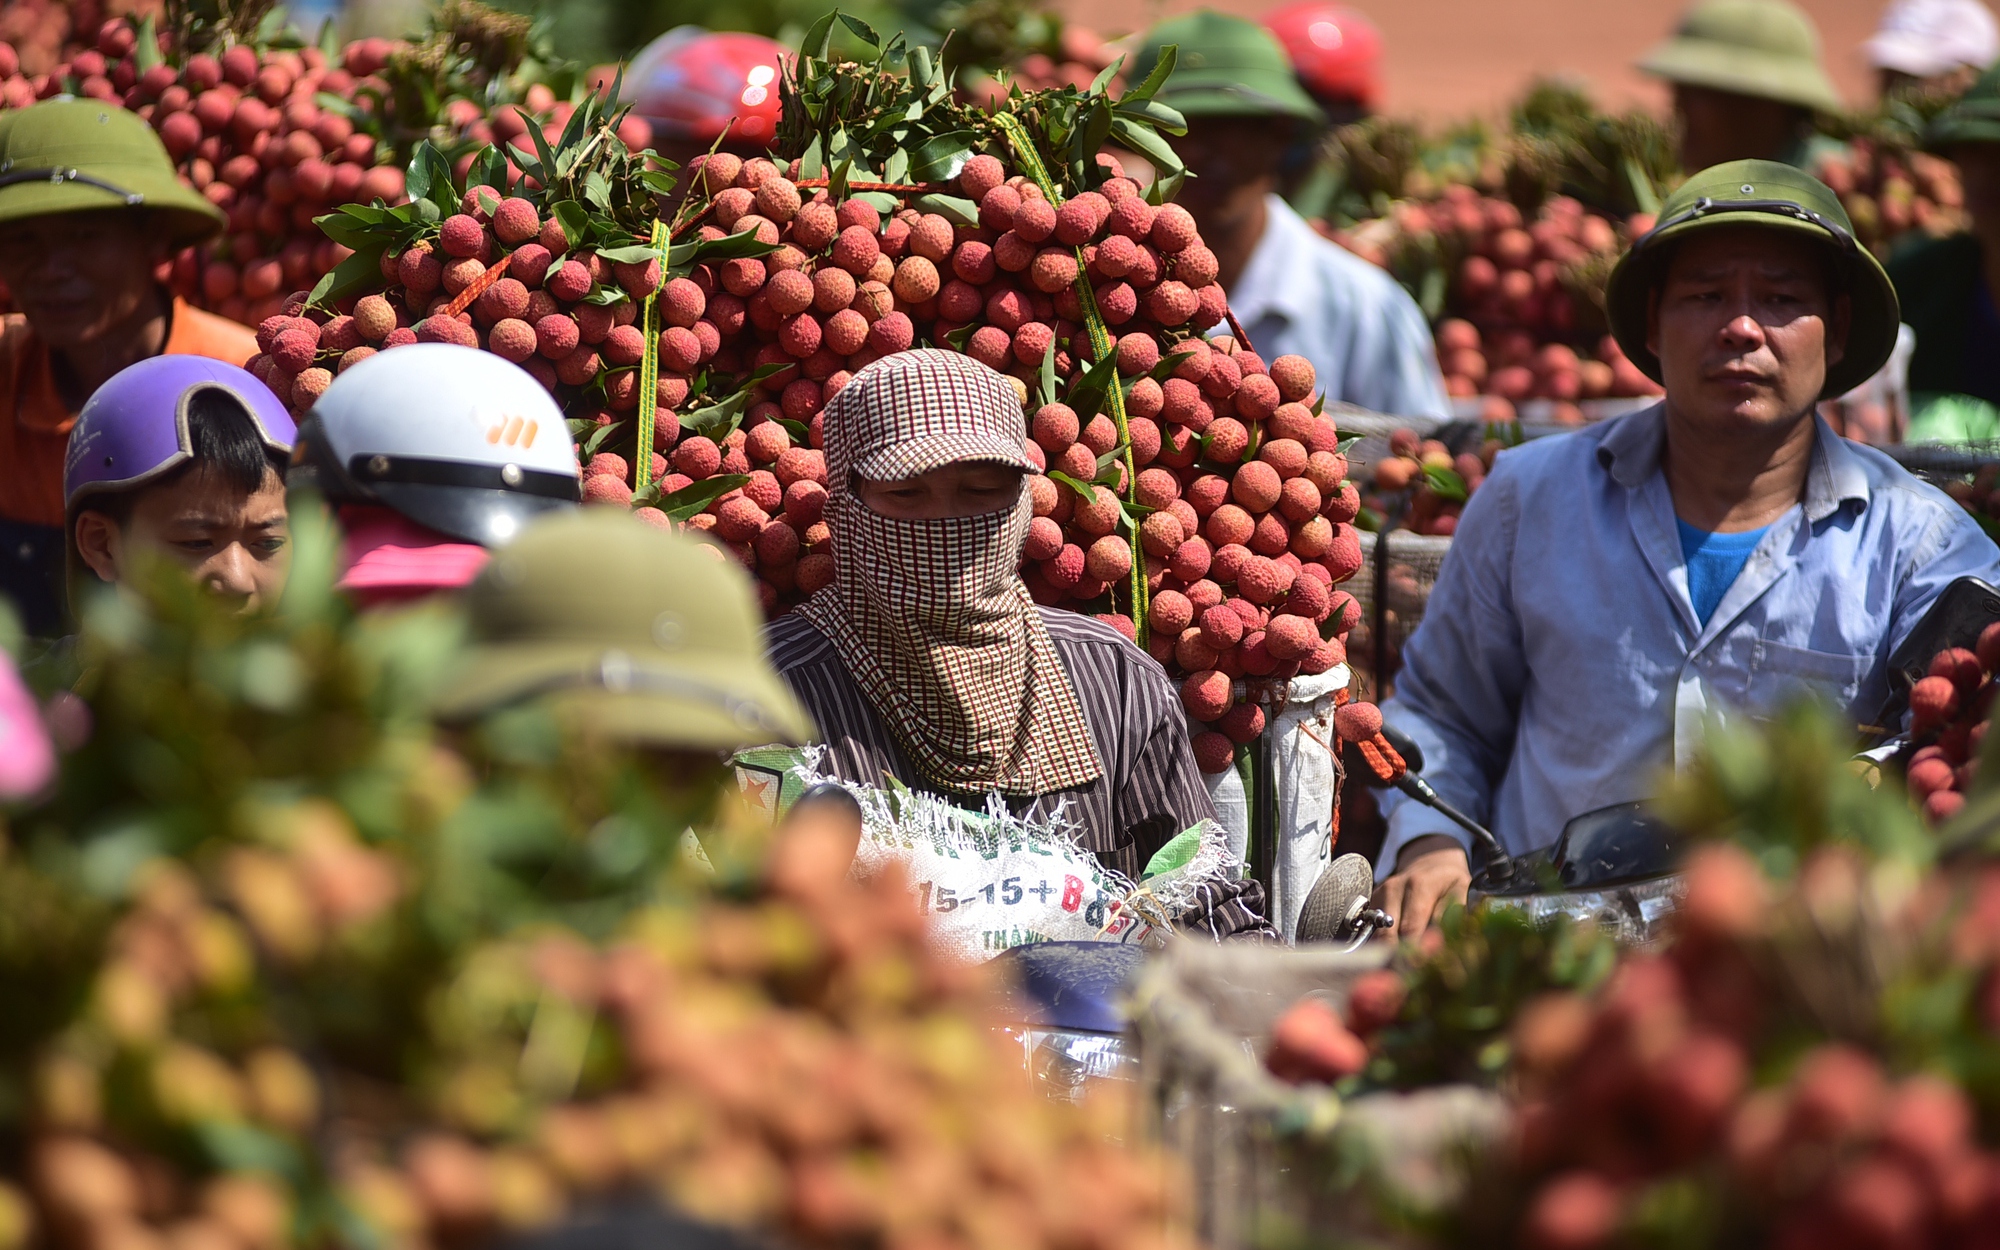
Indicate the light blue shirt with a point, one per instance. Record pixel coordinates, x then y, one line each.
1561 665
1713 561
1304 295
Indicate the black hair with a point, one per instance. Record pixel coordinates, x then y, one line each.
222 440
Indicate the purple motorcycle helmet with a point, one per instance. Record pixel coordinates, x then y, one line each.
135 427
135 430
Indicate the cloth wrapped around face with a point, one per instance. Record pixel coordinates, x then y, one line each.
931 616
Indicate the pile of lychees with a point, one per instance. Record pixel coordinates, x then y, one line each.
253 130
1521 297
1240 503
1949 708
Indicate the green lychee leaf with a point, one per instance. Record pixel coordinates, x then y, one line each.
1346 443
801 433
1163 68
489 169
146 52
1087 393
352 276
574 220
940 157
1082 489
1165 369
1155 114
1445 483
683 257
637 253
688 500
600 435
1099 84
955 209
862 30
328 102
1048 375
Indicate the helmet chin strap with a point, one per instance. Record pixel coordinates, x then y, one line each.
58 176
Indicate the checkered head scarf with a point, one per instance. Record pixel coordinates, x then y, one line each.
931 617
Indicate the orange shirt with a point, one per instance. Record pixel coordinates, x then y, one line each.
35 423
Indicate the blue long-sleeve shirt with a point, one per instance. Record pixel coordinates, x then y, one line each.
1302 294
1561 665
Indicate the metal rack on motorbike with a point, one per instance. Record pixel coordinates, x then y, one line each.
1276 1165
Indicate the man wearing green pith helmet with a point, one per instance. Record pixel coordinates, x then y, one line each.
1293 292
89 206
1718 554
1747 82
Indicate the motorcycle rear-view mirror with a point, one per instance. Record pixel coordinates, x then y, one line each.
1613 845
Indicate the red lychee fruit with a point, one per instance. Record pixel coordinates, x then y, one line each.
1207 695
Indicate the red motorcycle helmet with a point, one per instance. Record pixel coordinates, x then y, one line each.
692 84
1335 51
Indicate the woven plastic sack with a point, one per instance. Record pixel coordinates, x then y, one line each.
989 880
1414 561
1306 755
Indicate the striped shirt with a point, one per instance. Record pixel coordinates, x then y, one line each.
1150 789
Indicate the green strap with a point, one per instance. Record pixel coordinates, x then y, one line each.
1101 346
649 371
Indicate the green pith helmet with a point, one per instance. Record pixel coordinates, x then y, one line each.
1776 197
1225 67
70 155
631 633
1762 48
1975 118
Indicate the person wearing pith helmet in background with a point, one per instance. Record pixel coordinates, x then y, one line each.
624 634
1337 54
1932 45
89 208
1747 82
1293 291
1949 284
1719 553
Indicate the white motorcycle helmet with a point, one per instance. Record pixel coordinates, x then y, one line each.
456 439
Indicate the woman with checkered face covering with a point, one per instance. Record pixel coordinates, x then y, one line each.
927 660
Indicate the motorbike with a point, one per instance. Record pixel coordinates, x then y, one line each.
1064 1003
1616 866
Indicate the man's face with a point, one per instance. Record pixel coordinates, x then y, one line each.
238 546
1743 327
955 490
1718 126
77 275
1234 163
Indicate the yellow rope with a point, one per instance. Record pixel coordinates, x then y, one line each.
1101 346
649 370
